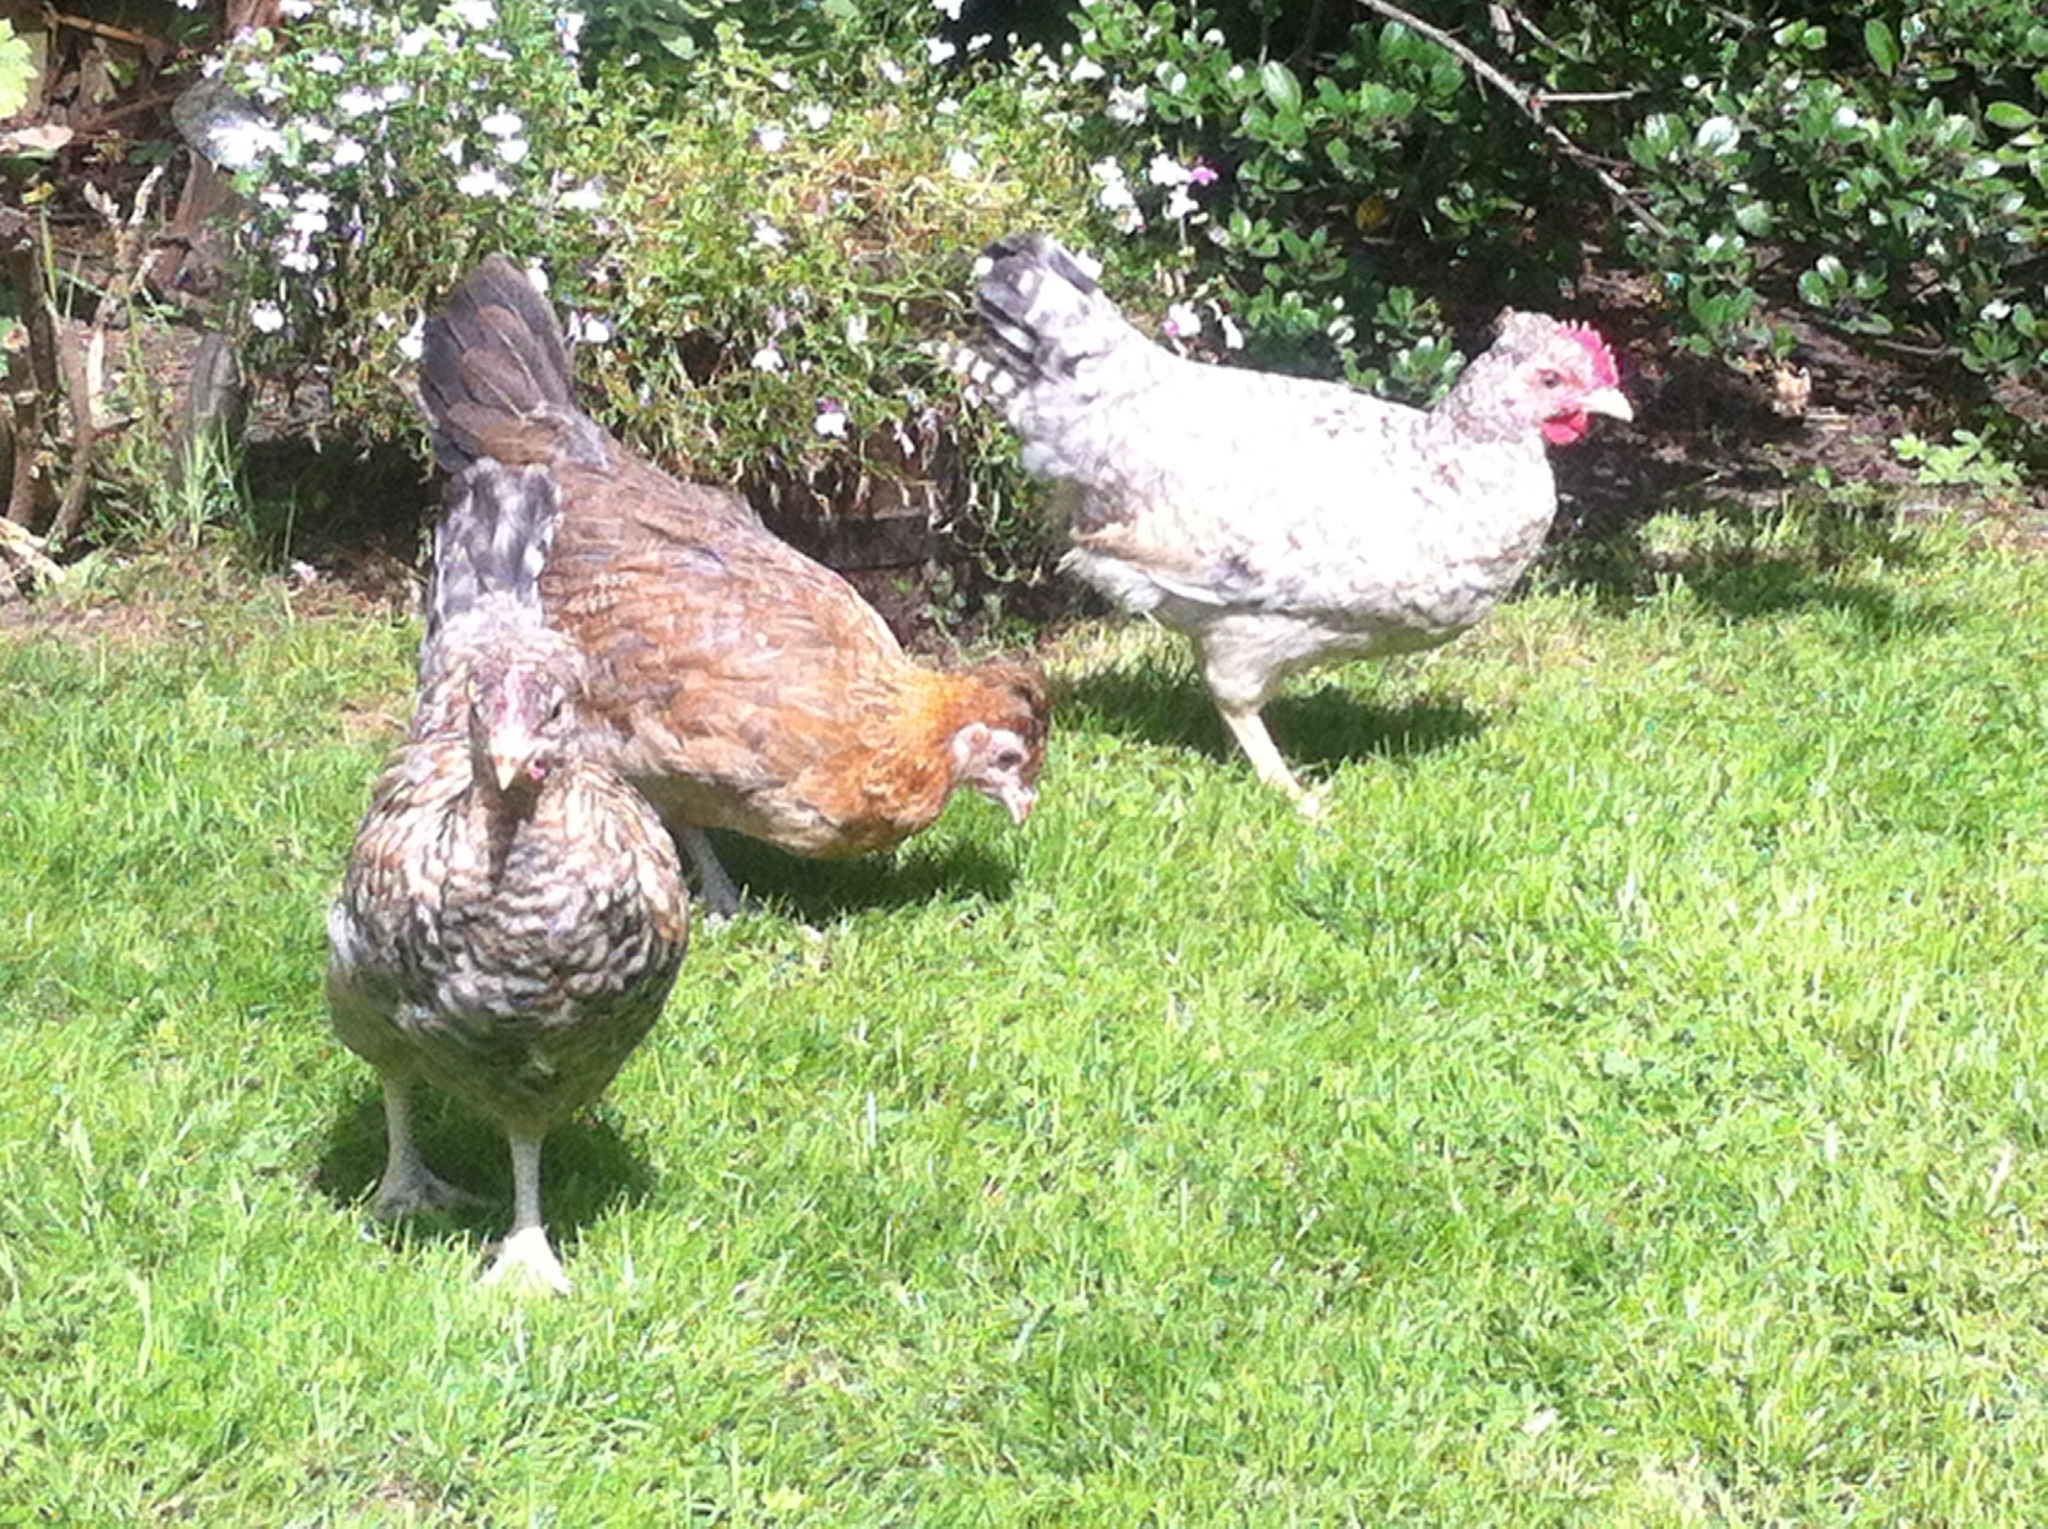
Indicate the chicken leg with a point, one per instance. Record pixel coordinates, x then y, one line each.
409 1185
525 1260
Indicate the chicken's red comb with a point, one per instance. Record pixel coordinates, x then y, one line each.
1605 373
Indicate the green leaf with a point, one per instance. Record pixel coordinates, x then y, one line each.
17 69
1755 219
2009 114
1281 88
1883 46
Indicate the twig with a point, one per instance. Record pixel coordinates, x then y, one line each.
1529 103
23 559
18 247
85 378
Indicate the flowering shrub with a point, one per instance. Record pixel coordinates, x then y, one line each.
396 142
761 215
754 280
1890 173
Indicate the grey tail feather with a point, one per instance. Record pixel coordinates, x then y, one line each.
496 349
492 545
1027 320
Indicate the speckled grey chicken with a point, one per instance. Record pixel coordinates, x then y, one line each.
1279 522
513 915
744 686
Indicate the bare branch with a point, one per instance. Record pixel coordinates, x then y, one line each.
1530 103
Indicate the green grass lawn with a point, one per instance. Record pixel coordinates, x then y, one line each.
1626 1107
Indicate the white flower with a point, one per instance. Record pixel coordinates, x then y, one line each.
950 9
456 152
266 318
569 29
1128 220
937 50
326 63
474 14
817 116
297 10
589 329
962 165
1182 320
313 201
496 52
765 232
979 41
273 198
857 329
413 343
348 152
831 421
502 124
394 93
537 277
1717 136
891 71
947 108
767 359
244 144
1179 204
512 150
483 181
1165 170
587 197
315 132
1233 337
414 43
302 260
308 223
770 139
356 102
1125 107
1087 70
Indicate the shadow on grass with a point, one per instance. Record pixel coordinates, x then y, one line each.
587 1172
819 891
1795 552
1323 728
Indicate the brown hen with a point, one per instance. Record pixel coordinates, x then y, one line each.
513 915
745 687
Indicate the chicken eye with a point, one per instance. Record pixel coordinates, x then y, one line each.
1550 379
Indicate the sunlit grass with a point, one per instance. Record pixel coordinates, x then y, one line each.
1623 1108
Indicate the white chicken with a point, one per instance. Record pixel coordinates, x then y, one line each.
1280 522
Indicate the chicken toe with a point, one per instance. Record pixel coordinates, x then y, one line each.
526 1262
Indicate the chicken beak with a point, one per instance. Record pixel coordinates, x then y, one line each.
513 754
507 765
1608 401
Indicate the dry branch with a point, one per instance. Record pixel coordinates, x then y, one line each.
1530 103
